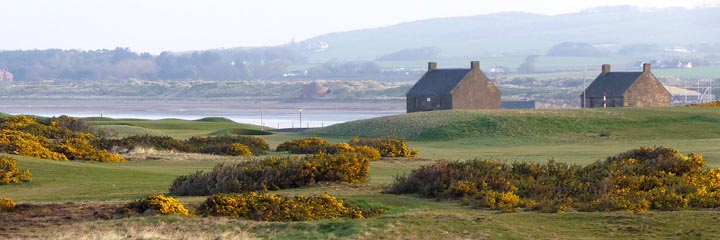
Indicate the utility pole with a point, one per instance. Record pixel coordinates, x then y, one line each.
300 111
584 100
262 107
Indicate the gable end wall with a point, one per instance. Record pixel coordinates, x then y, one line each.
647 91
476 91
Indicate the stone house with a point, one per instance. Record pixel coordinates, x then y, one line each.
442 89
625 89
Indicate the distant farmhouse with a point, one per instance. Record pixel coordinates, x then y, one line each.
6 75
625 89
442 89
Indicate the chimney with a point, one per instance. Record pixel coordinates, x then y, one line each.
605 68
475 65
432 66
646 67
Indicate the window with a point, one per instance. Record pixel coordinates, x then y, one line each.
427 100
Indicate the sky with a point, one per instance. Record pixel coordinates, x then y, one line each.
181 25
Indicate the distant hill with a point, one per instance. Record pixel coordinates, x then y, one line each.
524 33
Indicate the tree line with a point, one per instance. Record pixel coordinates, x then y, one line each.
122 63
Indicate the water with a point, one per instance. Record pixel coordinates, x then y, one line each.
274 114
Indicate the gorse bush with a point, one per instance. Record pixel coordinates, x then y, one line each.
638 180
275 173
304 146
26 144
707 104
10 173
316 145
6 204
53 138
388 146
271 207
156 204
220 145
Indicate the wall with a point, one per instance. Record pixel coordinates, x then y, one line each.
476 91
647 91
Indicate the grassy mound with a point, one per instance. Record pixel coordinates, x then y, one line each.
215 119
240 131
559 124
178 128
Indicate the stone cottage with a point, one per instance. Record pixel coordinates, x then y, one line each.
442 89
625 89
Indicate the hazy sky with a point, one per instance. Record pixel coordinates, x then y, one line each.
178 25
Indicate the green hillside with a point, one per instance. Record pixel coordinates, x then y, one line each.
571 125
524 33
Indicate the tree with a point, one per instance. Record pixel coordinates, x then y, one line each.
529 65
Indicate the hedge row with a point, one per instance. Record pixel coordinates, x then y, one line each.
638 180
250 206
386 147
220 145
275 173
271 207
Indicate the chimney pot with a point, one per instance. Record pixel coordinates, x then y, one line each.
605 68
646 67
432 66
475 65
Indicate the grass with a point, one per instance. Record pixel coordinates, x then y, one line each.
564 126
563 135
174 127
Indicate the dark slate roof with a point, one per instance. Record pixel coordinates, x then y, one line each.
438 82
614 83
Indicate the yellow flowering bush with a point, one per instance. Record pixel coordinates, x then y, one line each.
237 149
25 144
271 207
304 146
637 180
7 204
275 173
10 173
707 104
53 139
389 146
156 204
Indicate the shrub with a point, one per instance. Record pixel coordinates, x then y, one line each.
304 146
503 201
156 204
389 146
637 180
145 141
10 173
6 204
275 173
237 149
707 104
371 153
271 207
25 144
217 144
53 139
221 145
